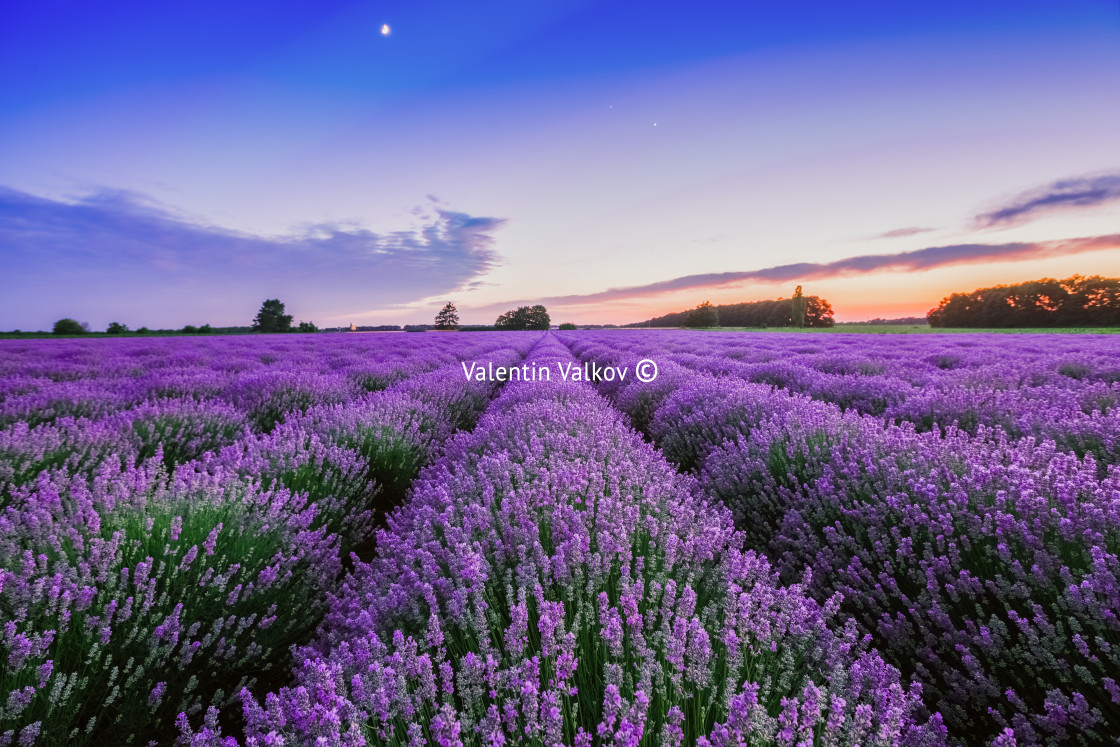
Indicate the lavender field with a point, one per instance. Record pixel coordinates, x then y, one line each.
346 540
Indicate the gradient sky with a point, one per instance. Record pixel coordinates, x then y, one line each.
173 163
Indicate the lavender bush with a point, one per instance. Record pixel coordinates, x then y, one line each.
127 601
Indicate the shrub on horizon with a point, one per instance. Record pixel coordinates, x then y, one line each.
448 317
524 318
68 326
271 317
704 315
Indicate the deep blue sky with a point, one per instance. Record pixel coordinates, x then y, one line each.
618 159
61 50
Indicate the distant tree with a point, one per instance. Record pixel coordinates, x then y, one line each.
448 317
704 315
116 328
818 312
538 318
307 327
524 317
206 329
190 329
799 307
271 317
143 331
68 327
568 326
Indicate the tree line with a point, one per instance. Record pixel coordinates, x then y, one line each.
521 318
270 318
1077 301
798 311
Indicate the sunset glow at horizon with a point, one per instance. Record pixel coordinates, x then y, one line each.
172 165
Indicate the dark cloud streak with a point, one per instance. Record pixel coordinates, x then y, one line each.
1067 194
913 261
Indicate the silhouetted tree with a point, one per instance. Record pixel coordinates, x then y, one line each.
448 317
116 328
307 327
271 317
818 312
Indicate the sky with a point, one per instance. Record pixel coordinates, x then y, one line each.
164 164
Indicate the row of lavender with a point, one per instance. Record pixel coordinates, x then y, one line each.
161 557
45 380
75 405
984 568
1063 388
552 580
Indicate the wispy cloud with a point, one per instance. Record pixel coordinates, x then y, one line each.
902 232
1067 194
112 244
913 261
